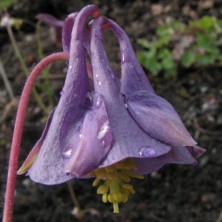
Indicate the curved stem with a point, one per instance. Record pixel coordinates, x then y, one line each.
17 134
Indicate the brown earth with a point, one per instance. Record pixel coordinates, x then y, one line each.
174 193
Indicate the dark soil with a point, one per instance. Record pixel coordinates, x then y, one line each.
175 193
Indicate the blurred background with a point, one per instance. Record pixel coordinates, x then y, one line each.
179 45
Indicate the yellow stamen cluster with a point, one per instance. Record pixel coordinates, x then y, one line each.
115 187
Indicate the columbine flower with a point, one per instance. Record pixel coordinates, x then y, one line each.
55 26
110 129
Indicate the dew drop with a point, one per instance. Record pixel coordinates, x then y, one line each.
126 105
70 67
99 83
67 153
80 135
103 142
146 152
103 130
98 101
97 75
123 58
89 96
61 93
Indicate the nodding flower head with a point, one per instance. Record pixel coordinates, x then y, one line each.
105 126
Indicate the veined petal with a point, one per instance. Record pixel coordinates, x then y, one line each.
196 151
94 142
133 77
158 118
73 104
177 155
35 150
67 31
129 139
55 25
50 20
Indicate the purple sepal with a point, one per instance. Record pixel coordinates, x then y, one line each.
50 20
158 118
74 103
67 31
94 143
133 77
129 138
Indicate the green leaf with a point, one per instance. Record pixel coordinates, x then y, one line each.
4 4
205 42
170 73
144 43
150 63
163 31
162 42
206 59
164 53
188 59
204 23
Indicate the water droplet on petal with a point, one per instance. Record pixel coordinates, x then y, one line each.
67 153
70 67
97 75
147 152
89 96
80 135
123 58
98 101
103 130
99 83
126 105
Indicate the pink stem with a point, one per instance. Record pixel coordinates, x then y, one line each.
17 134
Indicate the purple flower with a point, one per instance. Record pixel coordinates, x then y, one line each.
55 26
103 127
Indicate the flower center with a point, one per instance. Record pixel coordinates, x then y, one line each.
115 186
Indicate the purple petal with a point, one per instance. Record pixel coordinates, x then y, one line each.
50 20
129 139
35 150
177 155
66 122
158 118
196 151
133 76
67 31
94 143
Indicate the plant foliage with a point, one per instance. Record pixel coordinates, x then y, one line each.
195 44
4 4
